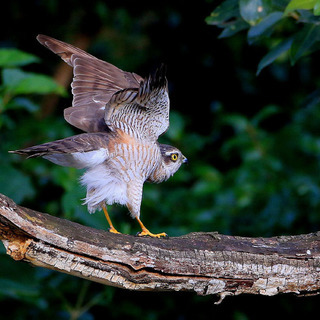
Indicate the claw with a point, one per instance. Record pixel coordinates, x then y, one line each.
113 230
147 233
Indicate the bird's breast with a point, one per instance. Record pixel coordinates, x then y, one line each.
136 160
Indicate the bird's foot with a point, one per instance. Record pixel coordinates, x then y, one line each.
146 232
113 230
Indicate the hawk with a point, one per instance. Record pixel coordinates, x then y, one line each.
123 115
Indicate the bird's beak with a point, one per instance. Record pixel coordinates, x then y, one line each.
184 160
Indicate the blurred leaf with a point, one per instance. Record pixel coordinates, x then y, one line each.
238 315
264 113
238 122
227 16
72 201
274 53
18 281
209 180
234 27
20 186
264 25
17 82
39 84
15 58
23 103
263 19
303 41
300 4
224 12
17 290
253 11
12 77
316 9
307 16
177 124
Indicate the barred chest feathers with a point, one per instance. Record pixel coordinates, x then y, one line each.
120 178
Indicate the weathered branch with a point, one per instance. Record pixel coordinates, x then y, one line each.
206 263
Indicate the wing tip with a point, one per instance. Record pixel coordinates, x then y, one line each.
19 151
159 79
25 152
155 81
43 39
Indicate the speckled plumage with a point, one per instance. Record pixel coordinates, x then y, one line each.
123 115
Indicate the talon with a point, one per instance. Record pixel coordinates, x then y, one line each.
147 233
113 230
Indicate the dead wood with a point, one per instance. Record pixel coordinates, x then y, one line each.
205 263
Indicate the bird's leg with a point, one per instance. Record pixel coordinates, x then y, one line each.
146 232
112 228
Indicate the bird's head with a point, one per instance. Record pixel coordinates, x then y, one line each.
172 159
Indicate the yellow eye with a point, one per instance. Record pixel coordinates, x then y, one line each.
174 157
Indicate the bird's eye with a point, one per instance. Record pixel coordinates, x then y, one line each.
174 157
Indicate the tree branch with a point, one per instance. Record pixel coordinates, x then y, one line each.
205 263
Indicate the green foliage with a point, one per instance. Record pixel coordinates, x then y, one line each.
303 5
15 58
273 24
16 108
271 181
252 142
16 83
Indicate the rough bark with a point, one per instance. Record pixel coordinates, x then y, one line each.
205 263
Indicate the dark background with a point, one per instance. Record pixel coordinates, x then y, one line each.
252 143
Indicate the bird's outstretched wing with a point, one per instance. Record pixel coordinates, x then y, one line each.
80 151
141 112
94 83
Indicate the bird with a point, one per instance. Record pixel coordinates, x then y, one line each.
122 115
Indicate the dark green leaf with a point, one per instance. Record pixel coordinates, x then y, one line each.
264 113
307 16
20 82
12 77
39 84
20 186
233 28
303 41
14 58
175 131
264 25
237 121
274 54
227 10
253 11
23 103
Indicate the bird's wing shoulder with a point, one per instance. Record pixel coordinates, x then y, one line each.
94 83
142 112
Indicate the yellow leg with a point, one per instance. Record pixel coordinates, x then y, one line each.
146 232
112 228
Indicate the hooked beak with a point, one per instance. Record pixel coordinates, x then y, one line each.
184 160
